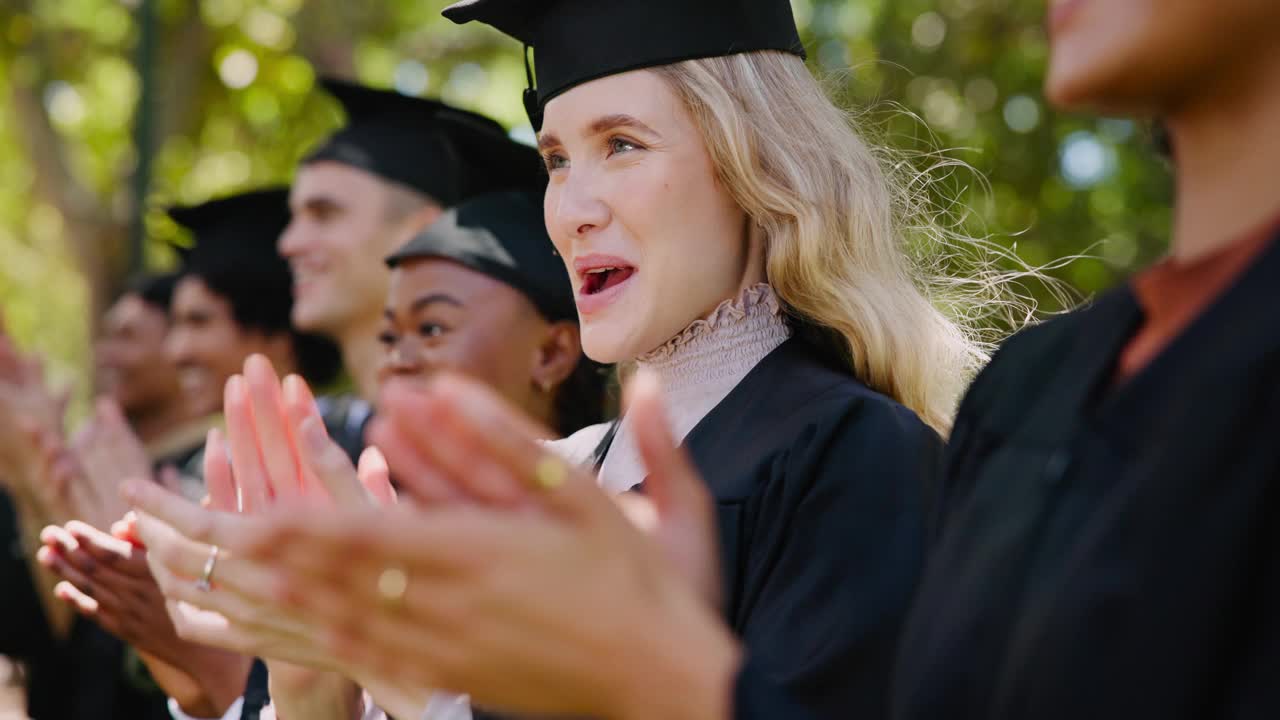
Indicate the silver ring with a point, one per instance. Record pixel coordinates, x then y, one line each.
206 575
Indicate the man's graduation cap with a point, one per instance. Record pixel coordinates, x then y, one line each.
239 232
436 149
503 236
575 41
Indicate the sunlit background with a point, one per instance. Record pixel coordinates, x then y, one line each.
175 101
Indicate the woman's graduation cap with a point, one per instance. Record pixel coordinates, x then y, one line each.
501 235
237 256
575 41
434 148
236 232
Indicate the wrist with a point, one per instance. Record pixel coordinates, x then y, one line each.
218 679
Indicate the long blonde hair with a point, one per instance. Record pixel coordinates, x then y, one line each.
852 250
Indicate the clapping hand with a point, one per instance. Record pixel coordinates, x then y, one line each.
519 602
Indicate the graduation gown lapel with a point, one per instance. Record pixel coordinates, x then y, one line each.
818 483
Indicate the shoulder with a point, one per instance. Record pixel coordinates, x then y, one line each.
579 448
806 425
1025 360
830 407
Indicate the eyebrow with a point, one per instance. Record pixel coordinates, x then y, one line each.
321 202
612 122
599 126
547 141
433 299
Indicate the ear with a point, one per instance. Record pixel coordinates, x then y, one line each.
418 220
423 217
557 355
404 228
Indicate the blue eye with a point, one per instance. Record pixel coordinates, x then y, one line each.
555 161
621 145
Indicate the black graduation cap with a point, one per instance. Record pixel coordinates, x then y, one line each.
434 148
239 232
575 41
503 236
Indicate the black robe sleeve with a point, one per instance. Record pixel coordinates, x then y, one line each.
24 631
1256 694
756 697
836 545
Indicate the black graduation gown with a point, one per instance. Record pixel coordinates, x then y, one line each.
1111 551
90 674
85 675
819 484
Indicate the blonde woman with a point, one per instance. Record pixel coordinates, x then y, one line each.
725 230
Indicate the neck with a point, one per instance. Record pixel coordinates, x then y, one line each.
1227 149
721 347
152 424
362 356
699 367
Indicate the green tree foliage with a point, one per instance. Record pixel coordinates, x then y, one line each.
234 107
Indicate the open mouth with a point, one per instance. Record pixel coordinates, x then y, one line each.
597 280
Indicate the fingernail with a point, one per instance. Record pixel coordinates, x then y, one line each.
234 387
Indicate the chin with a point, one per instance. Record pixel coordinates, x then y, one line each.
1080 67
1116 70
309 316
608 343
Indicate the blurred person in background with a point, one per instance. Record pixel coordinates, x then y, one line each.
134 371
142 421
235 299
232 299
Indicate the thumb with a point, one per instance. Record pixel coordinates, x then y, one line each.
685 523
672 483
327 462
375 476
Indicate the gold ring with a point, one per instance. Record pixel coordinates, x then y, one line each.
550 472
392 584
203 584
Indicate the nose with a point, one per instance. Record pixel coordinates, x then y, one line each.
576 205
404 359
177 345
291 240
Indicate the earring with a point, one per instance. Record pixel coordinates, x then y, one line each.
545 385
